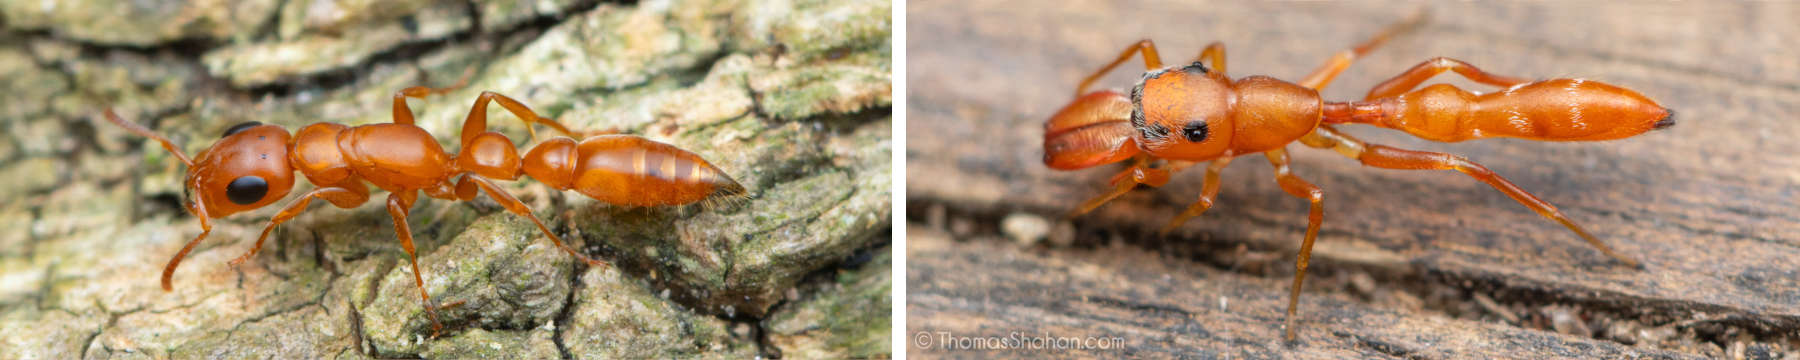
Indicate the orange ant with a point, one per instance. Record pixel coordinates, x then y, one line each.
1189 113
252 166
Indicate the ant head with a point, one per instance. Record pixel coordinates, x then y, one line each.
245 170
1183 112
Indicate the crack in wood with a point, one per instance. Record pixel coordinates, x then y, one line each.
567 315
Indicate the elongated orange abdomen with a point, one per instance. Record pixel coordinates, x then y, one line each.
629 170
1550 110
1568 110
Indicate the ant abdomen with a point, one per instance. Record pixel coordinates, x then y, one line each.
628 170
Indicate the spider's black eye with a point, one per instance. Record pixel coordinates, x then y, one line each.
239 127
246 190
1195 131
1196 68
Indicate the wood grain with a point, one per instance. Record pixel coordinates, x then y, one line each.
1708 205
1158 307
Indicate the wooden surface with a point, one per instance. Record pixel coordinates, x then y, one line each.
1708 205
1162 307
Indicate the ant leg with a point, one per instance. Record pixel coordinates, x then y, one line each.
1215 55
398 205
1410 79
205 228
1298 187
341 197
476 123
1393 158
1342 60
512 204
1207 192
1140 172
1137 171
1151 62
402 113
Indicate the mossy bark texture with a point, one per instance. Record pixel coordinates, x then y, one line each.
791 98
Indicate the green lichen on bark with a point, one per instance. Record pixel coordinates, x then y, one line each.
844 318
483 344
624 319
498 269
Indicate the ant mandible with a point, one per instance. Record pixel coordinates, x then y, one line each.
1185 114
252 166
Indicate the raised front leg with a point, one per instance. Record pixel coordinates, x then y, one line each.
1409 80
1393 158
518 208
345 197
1207 191
1151 61
1342 60
1298 187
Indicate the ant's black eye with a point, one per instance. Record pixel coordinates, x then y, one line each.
1195 131
246 190
239 127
